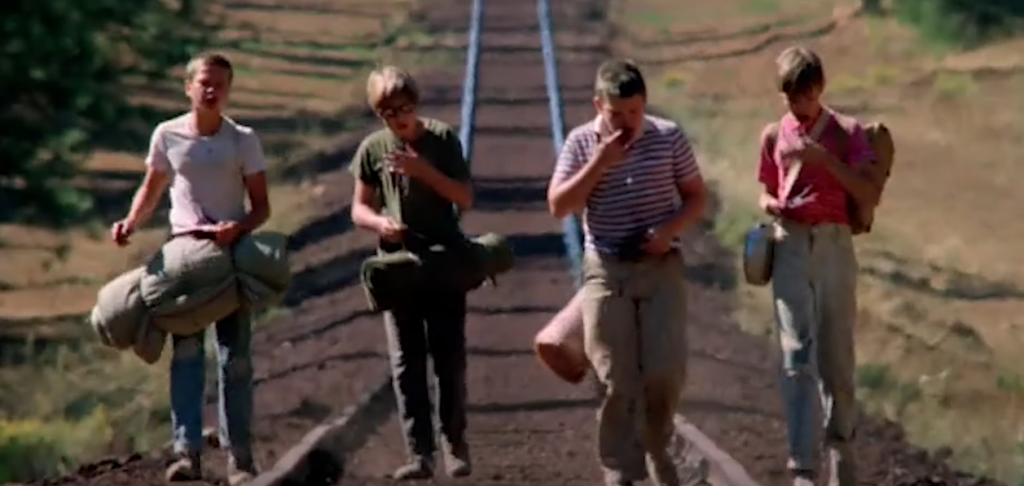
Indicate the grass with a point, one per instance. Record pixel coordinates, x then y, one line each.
63 398
940 331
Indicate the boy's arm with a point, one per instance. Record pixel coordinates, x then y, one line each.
451 177
689 185
856 174
365 212
768 171
158 177
575 176
254 175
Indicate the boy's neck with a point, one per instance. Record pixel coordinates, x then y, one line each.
416 133
814 118
206 122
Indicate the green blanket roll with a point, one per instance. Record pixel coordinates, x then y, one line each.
188 285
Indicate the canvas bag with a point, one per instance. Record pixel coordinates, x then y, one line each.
880 138
461 264
559 345
759 241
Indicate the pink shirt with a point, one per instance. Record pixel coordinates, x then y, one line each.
828 198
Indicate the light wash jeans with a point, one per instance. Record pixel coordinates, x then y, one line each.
235 389
814 283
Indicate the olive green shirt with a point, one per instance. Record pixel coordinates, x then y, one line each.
429 217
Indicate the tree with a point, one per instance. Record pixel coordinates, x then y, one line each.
64 68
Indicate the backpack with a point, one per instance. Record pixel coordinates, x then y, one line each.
880 139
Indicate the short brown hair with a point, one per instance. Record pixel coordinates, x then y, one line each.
208 59
619 78
799 71
388 83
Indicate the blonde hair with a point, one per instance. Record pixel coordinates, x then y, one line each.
206 60
387 83
800 70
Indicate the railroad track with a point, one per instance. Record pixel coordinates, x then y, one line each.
325 409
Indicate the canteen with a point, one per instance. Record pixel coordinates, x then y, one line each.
758 253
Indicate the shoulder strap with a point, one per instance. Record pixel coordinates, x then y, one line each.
786 185
773 137
844 125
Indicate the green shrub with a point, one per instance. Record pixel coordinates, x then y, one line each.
962 23
34 449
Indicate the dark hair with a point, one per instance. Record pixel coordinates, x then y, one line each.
619 78
800 70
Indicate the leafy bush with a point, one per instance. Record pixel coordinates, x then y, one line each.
76 405
34 449
962 23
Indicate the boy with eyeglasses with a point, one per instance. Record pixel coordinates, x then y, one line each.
407 177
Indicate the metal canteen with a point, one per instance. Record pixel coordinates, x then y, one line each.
758 252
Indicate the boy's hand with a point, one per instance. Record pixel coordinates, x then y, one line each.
658 242
121 231
809 151
407 162
611 149
226 233
390 230
771 206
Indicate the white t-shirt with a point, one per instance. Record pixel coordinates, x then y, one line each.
206 172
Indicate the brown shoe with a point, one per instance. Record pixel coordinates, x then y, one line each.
188 467
241 471
457 463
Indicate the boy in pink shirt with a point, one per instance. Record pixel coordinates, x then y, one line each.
815 268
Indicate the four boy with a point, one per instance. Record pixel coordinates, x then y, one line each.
634 178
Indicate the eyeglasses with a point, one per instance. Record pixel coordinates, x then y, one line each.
404 109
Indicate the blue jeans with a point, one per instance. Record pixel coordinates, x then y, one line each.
235 389
814 284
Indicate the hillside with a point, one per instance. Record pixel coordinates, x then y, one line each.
940 329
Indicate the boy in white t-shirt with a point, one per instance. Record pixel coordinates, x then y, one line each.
212 165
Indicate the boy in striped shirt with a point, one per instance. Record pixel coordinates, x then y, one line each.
635 179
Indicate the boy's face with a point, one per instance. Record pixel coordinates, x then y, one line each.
209 88
625 114
805 105
399 115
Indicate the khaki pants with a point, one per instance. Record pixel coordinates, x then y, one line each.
634 316
814 281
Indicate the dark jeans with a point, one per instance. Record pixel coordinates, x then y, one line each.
188 380
433 325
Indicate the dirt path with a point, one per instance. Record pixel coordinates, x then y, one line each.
525 426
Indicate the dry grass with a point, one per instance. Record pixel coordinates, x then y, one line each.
300 68
940 332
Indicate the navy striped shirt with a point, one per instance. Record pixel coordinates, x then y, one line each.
637 194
